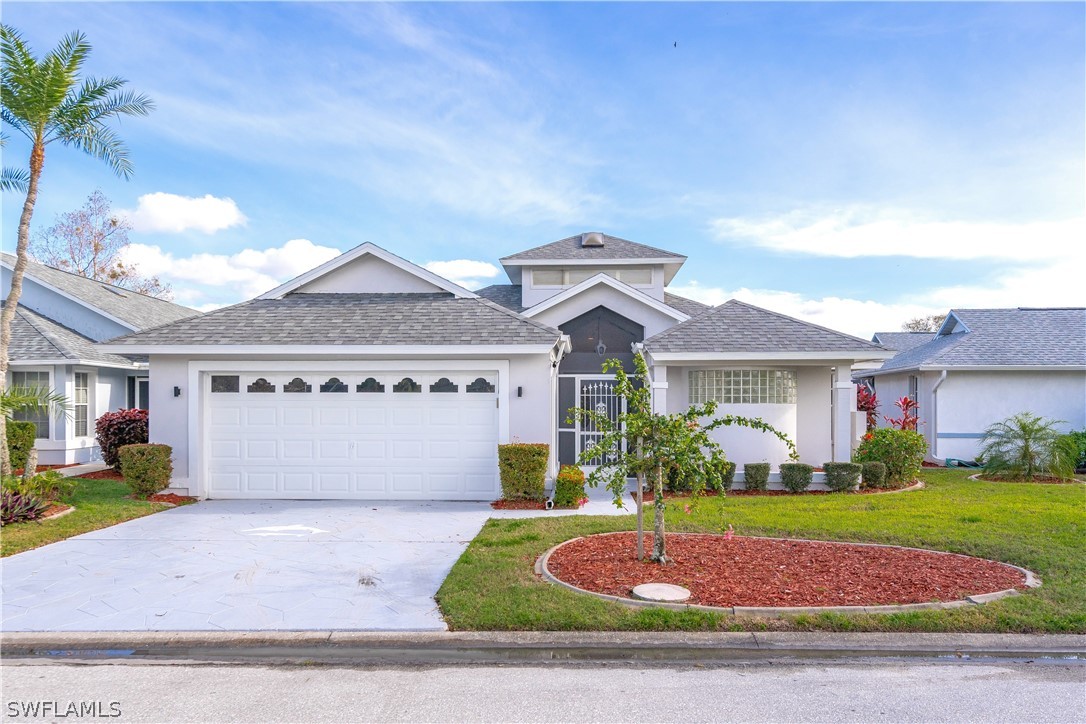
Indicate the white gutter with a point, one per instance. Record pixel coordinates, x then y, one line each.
935 418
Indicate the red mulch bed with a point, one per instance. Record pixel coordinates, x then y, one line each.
43 468
171 498
107 474
518 505
55 508
769 572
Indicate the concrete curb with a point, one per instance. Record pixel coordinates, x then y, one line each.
554 647
1032 581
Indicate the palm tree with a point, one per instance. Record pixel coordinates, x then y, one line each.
46 101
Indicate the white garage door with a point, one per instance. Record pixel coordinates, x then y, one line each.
388 435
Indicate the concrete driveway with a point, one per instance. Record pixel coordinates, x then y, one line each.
250 565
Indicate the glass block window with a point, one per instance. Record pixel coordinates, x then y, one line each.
370 385
32 380
297 385
407 385
260 385
225 383
334 385
480 385
743 387
81 403
444 385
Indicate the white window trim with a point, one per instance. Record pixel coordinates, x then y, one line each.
92 383
48 371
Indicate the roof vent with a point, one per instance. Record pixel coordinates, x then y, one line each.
591 239
116 291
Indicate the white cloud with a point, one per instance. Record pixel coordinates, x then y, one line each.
861 231
170 213
240 276
465 272
1055 285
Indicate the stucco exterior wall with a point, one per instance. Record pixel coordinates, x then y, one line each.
812 436
953 418
49 303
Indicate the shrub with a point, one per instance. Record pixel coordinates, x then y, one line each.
523 468
901 451
796 477
48 485
874 474
114 429
18 507
20 441
1023 447
842 476
757 476
727 475
569 487
146 468
1076 443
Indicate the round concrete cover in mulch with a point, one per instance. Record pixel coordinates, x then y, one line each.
770 572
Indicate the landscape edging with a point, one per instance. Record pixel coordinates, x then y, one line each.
1032 581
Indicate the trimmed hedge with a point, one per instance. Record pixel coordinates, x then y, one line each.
796 477
20 440
146 468
123 427
523 470
757 476
727 475
842 476
569 487
874 475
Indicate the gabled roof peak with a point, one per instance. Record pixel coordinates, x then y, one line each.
592 245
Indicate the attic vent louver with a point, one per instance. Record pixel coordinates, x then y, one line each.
591 239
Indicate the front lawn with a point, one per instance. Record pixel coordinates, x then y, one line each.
1039 527
98 504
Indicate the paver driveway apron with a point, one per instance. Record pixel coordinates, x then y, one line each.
247 565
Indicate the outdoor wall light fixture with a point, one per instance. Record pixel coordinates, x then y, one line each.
601 348
520 392
176 391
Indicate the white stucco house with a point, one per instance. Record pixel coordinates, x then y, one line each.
59 319
983 366
371 377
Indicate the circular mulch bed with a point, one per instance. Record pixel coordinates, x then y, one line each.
774 572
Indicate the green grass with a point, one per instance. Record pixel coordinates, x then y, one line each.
1040 527
98 504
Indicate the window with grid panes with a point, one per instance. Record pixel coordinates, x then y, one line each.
82 404
743 387
32 380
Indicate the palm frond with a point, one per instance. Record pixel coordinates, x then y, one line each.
17 399
102 143
14 179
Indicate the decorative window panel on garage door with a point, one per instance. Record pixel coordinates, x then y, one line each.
334 434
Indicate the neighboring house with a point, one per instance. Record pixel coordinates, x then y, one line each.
371 377
59 319
982 366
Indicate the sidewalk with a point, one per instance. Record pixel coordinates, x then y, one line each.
533 647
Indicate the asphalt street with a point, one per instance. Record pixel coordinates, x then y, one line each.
858 691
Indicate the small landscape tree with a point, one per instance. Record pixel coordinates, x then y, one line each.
642 444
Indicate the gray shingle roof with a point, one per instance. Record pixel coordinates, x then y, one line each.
1012 337
34 337
138 310
509 296
901 341
570 248
739 327
352 319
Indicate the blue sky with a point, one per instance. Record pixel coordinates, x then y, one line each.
851 164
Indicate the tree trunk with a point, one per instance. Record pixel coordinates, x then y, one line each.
640 506
31 467
659 551
37 161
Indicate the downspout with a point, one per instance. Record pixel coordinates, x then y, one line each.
935 419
